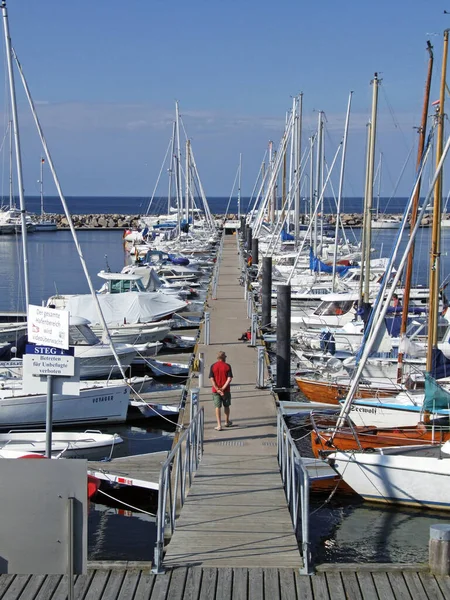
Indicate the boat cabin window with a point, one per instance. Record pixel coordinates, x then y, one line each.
82 335
333 309
118 286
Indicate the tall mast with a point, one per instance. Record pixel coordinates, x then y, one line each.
239 188
179 186
187 176
415 207
435 258
366 220
172 159
318 175
298 150
311 188
369 188
41 185
11 188
341 185
15 119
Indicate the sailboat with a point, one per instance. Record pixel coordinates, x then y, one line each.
43 224
413 475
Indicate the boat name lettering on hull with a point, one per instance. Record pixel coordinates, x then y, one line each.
365 410
103 398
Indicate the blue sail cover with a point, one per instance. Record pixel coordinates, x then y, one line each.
440 365
316 265
285 236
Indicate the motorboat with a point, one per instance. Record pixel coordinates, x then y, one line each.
90 444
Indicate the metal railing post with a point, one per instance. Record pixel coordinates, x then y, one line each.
201 373
260 367
254 329
207 329
249 306
194 402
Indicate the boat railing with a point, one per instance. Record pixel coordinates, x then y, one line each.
295 479
316 427
175 479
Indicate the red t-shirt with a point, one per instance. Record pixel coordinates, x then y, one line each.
220 370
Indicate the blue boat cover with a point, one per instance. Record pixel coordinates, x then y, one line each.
286 237
316 265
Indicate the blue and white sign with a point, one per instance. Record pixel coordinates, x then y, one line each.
46 360
48 350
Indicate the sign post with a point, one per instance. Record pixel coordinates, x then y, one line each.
54 359
49 417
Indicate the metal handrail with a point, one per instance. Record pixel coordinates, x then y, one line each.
175 479
295 479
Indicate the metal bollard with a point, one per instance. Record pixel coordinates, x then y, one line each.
245 285
195 392
260 368
201 372
254 328
207 329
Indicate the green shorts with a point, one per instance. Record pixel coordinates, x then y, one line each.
220 401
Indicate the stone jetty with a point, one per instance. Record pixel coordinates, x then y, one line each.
120 221
98 221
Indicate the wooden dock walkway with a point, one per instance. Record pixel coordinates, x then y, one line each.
132 581
236 513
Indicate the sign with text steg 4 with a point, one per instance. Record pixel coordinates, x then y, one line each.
47 360
48 326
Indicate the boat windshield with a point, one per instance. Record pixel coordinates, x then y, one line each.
82 335
118 286
336 308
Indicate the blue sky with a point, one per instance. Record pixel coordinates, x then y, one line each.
105 76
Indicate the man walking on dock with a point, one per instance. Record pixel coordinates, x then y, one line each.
220 376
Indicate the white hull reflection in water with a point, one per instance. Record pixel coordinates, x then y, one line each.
370 534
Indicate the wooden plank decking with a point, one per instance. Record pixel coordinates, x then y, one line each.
236 513
136 583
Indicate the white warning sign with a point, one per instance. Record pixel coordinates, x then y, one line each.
48 326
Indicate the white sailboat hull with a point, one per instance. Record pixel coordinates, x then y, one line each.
411 480
93 405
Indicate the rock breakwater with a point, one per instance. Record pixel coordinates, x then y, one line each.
98 221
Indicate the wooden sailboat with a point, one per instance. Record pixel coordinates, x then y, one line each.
331 391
